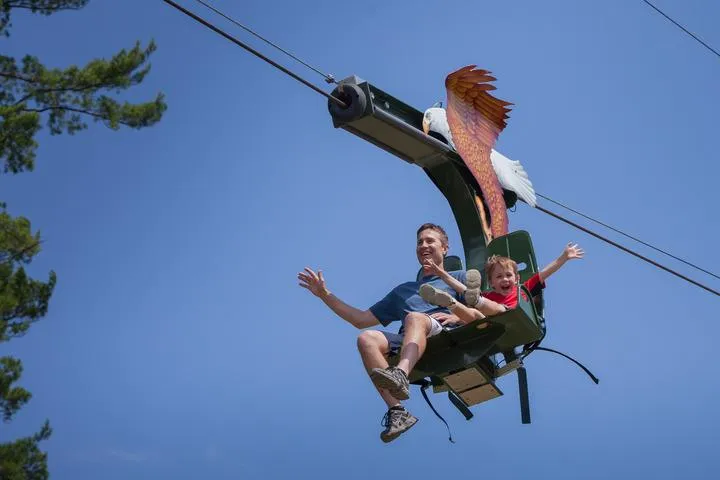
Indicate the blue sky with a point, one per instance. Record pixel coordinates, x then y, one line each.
178 344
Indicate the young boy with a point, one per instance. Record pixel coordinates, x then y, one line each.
503 276
480 306
502 273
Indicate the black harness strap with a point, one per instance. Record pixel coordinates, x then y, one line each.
589 373
423 387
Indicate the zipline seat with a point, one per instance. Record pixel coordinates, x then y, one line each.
458 360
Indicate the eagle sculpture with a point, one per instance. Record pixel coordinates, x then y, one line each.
471 125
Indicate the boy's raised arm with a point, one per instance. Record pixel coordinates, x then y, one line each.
430 267
571 251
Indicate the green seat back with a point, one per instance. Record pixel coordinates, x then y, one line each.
518 246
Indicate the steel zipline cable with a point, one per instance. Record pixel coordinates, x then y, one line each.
328 78
255 52
628 236
627 250
342 104
682 28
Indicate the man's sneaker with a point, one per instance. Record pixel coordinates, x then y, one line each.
473 281
436 296
393 380
396 421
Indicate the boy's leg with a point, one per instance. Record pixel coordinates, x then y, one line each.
441 298
474 299
465 313
488 307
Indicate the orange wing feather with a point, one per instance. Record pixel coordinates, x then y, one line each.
476 118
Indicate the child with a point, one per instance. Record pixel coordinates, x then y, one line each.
443 299
502 272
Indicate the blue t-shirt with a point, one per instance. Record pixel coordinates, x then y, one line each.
405 298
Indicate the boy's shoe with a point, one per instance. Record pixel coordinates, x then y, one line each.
393 380
396 422
473 281
436 296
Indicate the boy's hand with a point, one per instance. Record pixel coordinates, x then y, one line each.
572 251
430 267
313 282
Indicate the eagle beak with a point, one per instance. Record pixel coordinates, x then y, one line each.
425 126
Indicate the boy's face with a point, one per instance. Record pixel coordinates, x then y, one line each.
503 279
430 246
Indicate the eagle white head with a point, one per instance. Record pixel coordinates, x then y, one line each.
435 120
510 173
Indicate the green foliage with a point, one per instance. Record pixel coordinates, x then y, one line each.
23 459
11 398
43 7
17 137
23 300
63 99
30 91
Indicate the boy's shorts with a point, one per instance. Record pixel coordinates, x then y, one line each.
395 339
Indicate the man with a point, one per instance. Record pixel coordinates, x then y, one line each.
420 320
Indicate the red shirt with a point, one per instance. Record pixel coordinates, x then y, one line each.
534 285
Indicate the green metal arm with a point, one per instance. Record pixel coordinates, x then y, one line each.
396 127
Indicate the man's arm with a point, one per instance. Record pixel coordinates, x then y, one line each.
354 316
571 252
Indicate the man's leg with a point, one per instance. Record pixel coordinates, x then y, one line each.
417 329
417 326
373 347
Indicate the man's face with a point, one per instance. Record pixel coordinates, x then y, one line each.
430 246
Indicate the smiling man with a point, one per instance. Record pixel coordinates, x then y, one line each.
420 320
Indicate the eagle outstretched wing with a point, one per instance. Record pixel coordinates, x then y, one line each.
476 118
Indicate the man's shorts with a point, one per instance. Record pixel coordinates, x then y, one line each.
395 339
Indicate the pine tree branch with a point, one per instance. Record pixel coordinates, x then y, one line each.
14 257
34 93
32 5
76 110
16 76
55 9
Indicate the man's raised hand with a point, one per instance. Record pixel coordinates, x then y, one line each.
313 282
